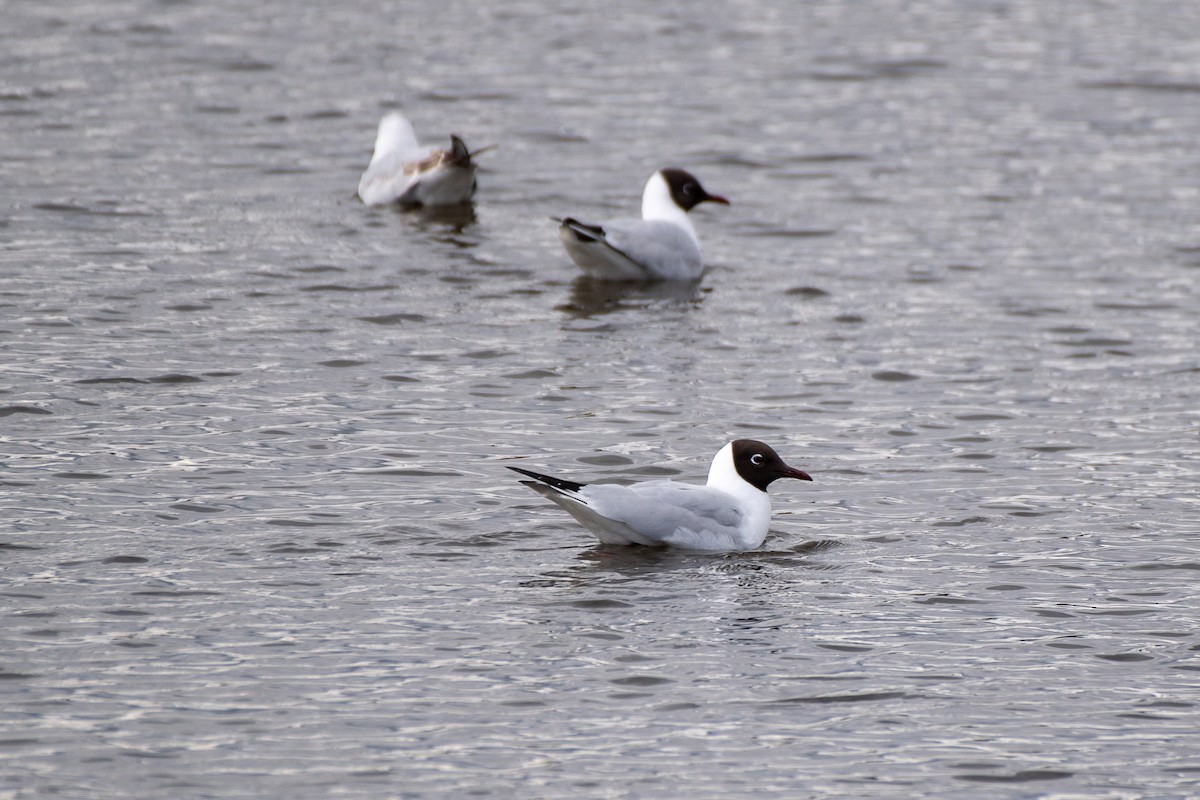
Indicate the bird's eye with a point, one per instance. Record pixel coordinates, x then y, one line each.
689 188
756 459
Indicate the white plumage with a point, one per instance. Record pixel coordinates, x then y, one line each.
405 172
730 513
662 245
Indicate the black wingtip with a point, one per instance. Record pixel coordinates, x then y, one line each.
557 483
582 230
459 151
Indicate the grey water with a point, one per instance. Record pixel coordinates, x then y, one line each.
257 538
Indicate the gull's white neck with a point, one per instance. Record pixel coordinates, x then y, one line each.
657 203
723 475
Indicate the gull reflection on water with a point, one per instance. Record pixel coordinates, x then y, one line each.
456 218
590 297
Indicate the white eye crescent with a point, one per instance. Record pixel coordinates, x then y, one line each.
756 459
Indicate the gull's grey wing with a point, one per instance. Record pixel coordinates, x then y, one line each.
568 495
662 248
670 513
589 247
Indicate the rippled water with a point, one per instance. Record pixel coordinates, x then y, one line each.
258 536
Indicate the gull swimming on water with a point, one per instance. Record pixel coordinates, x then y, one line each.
402 171
730 513
662 245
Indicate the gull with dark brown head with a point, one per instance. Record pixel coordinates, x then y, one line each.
662 245
405 172
728 514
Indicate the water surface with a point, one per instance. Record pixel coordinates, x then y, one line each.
258 536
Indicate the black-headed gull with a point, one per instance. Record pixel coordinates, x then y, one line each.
402 171
730 513
662 245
